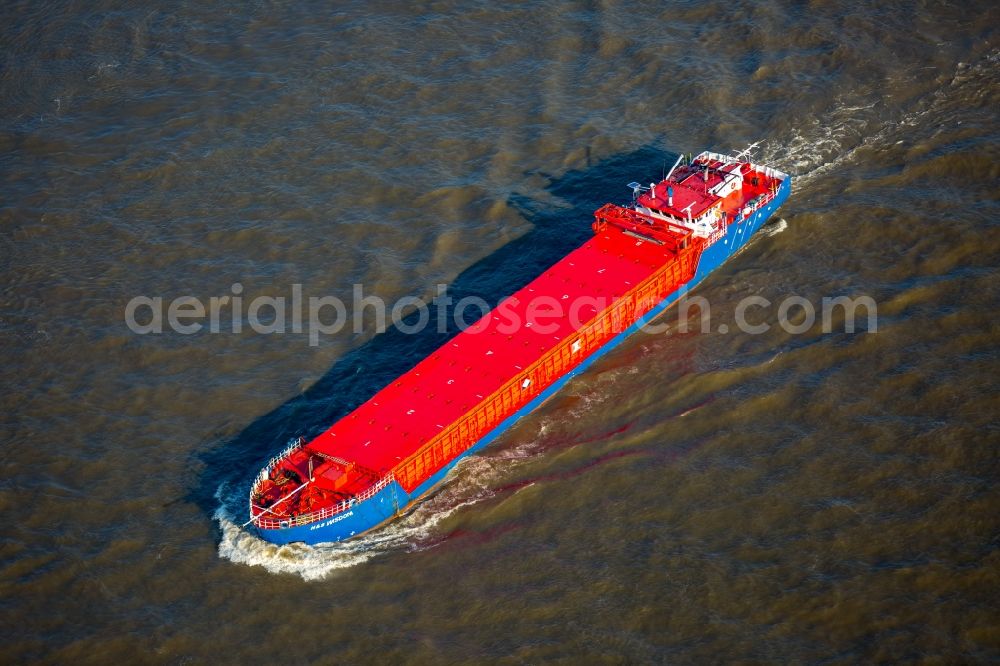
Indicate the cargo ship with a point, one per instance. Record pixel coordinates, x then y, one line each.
378 461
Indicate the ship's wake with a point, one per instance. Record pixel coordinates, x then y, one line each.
858 122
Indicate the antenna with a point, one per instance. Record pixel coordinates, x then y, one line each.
745 153
636 188
671 172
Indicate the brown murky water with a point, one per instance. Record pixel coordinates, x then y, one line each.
693 498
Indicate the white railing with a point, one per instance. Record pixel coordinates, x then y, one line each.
277 522
265 472
289 450
770 172
718 157
272 522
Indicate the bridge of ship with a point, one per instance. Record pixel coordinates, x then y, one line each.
712 190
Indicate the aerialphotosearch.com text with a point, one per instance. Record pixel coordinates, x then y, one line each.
318 316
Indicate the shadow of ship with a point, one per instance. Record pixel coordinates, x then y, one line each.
363 371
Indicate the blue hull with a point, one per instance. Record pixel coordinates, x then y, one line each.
393 500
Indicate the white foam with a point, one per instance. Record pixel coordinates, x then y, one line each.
825 142
776 228
834 138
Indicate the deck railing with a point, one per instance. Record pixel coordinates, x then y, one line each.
294 446
659 230
770 172
269 522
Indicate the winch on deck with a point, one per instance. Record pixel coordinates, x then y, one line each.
308 480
